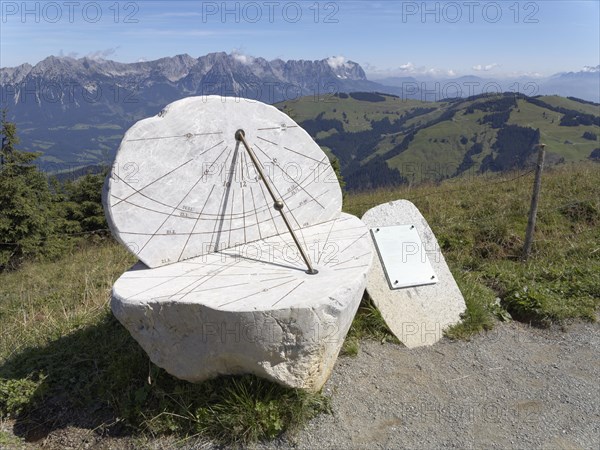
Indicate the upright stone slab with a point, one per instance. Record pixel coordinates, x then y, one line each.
417 315
252 308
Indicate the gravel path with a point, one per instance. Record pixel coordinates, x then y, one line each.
515 387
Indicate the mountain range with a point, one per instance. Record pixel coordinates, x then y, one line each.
75 111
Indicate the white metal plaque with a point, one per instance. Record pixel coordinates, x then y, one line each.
403 256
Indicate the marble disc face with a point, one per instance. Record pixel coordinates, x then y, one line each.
182 186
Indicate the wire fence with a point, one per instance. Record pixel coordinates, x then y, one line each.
452 191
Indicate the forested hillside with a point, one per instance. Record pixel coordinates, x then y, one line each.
383 140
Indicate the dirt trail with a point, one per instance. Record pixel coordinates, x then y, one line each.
515 387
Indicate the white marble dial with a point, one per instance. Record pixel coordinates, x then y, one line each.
182 186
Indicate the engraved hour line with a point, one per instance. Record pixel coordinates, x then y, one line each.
194 290
352 267
182 200
170 297
326 241
262 190
280 196
223 208
173 137
266 140
188 274
276 262
256 293
195 224
298 153
293 151
231 218
351 259
179 209
150 184
244 215
199 217
277 128
238 162
289 292
283 170
217 221
202 279
213 147
243 197
211 289
255 213
217 272
352 243
245 164
295 220
136 233
207 216
312 182
169 280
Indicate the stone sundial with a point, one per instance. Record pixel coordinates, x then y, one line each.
247 264
187 186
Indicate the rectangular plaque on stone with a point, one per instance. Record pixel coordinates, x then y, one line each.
403 256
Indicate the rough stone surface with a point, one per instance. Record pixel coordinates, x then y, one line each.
182 185
416 315
252 308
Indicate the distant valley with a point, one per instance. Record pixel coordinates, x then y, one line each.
382 140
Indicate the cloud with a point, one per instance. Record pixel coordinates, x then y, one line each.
486 68
102 54
408 69
73 55
335 62
242 58
591 69
522 74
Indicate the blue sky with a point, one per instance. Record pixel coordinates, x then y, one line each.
502 38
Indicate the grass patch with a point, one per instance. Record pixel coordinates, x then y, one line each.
8 440
367 324
65 361
480 224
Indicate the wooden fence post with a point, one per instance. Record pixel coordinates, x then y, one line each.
537 184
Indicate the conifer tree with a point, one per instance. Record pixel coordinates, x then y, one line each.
25 201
